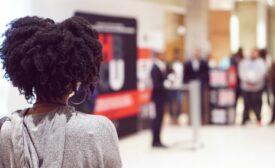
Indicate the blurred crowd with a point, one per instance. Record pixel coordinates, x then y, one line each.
253 75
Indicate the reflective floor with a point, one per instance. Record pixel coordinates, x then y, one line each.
221 147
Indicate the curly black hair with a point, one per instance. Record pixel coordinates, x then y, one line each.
46 60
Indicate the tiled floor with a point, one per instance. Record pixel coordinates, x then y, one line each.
222 147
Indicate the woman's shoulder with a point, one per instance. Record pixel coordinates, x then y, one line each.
5 132
88 123
93 137
90 118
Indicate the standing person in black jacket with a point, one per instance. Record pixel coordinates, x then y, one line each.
197 69
271 76
158 75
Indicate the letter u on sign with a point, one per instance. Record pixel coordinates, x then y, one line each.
116 74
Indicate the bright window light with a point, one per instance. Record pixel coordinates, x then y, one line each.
10 10
234 33
262 25
261 34
270 2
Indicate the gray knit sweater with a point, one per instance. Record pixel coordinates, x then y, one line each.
63 138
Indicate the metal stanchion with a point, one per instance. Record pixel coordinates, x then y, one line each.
194 90
195 112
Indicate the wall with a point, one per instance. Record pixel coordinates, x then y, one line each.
9 99
174 39
271 31
179 3
219 32
221 4
150 16
247 13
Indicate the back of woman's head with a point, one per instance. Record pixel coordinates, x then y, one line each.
47 59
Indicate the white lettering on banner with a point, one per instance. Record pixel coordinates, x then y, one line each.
117 76
113 28
116 102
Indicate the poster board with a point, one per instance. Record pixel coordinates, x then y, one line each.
118 97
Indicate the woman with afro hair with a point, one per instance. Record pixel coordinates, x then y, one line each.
47 62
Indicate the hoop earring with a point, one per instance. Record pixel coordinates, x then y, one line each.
82 101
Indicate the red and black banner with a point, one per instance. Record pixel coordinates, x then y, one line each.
118 96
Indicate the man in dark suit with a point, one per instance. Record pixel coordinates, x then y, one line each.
197 69
158 75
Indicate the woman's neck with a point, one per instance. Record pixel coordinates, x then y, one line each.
44 106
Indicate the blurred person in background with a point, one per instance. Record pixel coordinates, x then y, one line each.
197 69
159 95
267 88
266 57
252 72
235 61
175 83
48 62
271 76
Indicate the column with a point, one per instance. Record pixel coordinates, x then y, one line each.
262 8
246 12
196 22
252 16
271 31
